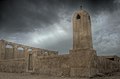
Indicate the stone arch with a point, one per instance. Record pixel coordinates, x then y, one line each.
45 53
30 50
20 49
20 52
78 16
8 46
9 51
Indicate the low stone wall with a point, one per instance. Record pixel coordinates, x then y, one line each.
13 65
54 65
107 66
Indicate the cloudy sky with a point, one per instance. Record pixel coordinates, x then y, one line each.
47 23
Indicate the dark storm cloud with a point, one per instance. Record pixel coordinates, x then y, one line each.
25 15
101 5
33 22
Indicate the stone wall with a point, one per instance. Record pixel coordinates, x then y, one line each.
53 65
15 57
44 52
107 66
79 63
10 50
113 58
13 65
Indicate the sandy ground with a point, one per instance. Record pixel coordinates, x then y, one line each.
29 76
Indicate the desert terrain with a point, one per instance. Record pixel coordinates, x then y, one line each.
4 75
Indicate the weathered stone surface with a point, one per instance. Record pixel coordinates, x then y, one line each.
13 60
107 66
15 53
54 65
17 65
82 38
82 57
83 63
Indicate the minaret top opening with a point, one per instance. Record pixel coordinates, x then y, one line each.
78 16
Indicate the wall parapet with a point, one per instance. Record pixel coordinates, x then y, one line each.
105 65
10 50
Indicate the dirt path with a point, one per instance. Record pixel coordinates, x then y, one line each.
29 76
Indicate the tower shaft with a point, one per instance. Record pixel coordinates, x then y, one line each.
82 37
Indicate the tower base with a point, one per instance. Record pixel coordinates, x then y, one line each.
83 63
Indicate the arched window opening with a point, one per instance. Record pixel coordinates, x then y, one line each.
8 46
46 52
78 16
9 52
30 50
20 50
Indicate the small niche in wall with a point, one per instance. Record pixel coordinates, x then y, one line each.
112 59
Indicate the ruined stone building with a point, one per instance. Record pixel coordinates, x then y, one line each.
82 60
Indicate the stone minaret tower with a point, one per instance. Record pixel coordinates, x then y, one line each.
82 38
82 56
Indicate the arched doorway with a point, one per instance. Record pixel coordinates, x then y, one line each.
30 60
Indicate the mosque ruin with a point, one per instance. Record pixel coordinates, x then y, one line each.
82 60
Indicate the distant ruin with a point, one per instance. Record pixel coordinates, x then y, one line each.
82 60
